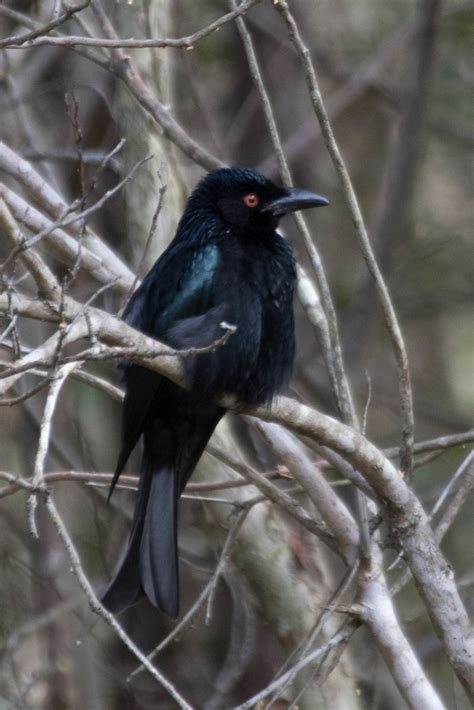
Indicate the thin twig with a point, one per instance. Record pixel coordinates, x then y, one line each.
457 490
142 264
305 647
126 481
43 443
438 444
291 674
391 321
367 404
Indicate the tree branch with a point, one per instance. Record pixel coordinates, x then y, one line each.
391 321
18 41
187 42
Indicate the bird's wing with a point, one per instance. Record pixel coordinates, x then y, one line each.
178 289
178 286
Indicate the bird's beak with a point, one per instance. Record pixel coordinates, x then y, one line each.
295 200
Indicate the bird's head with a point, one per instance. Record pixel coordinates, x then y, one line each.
244 198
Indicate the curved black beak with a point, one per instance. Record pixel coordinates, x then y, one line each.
295 200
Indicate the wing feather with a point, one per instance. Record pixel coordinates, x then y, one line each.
177 289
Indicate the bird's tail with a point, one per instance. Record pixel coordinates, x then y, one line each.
150 564
158 564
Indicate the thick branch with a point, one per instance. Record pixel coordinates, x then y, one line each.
44 277
333 511
379 615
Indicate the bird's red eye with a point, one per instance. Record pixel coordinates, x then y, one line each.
251 200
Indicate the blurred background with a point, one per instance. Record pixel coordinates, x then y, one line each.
397 80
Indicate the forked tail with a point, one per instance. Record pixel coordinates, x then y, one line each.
150 563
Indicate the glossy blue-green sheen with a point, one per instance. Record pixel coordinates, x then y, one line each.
178 286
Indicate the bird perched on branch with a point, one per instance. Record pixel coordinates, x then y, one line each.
226 265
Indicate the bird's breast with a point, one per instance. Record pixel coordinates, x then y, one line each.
257 286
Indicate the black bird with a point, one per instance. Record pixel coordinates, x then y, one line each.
226 263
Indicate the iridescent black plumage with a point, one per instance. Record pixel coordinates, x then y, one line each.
226 263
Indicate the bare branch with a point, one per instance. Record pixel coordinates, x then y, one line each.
405 513
123 68
379 615
391 321
333 511
441 443
43 443
104 479
187 42
18 41
453 496
44 277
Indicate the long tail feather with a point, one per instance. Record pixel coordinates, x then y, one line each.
150 563
159 547
125 588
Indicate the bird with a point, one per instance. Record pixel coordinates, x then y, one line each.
226 266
